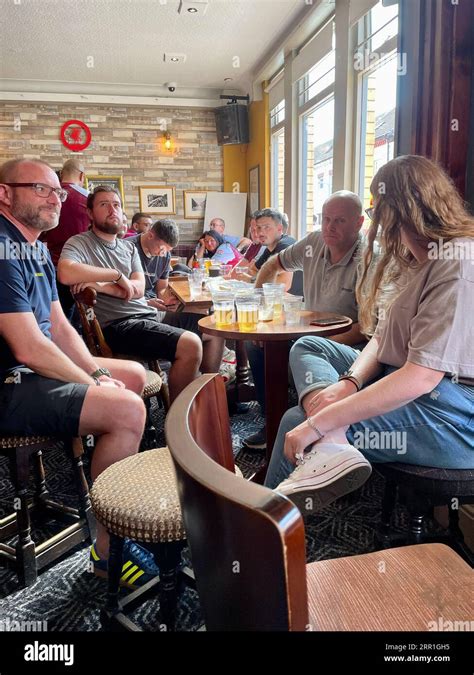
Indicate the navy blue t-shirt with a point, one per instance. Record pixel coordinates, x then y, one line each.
155 268
27 284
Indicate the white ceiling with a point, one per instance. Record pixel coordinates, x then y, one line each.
50 45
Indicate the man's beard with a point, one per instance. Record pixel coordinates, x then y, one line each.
108 228
30 216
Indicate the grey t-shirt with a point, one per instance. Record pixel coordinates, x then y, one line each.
89 249
431 321
327 287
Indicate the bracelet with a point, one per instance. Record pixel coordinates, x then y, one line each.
96 381
119 277
352 378
314 428
101 371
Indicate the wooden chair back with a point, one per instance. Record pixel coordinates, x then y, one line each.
85 301
247 542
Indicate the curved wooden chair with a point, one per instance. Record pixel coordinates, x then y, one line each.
248 547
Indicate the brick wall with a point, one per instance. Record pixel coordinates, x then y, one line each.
127 141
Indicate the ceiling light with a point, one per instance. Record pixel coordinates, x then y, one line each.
174 57
194 7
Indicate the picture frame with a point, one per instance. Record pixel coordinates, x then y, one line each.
194 203
254 188
157 199
91 182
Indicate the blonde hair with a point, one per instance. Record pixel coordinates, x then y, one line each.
415 193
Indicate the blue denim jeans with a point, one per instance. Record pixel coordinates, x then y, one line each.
436 429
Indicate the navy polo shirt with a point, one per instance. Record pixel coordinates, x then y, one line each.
27 284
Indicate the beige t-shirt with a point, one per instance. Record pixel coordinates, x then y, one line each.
431 322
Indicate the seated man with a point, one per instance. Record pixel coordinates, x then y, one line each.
112 267
141 222
218 224
328 260
154 246
49 382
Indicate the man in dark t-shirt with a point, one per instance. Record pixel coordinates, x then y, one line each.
50 384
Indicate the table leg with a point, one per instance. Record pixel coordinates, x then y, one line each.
276 388
242 391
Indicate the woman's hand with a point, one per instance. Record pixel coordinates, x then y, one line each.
316 401
297 440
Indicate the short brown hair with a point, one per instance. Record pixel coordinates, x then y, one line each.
100 188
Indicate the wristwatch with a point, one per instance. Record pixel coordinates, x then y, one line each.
353 378
99 372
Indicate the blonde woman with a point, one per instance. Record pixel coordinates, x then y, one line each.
409 395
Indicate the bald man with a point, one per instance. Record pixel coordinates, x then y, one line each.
329 260
73 220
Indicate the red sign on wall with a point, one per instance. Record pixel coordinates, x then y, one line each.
75 135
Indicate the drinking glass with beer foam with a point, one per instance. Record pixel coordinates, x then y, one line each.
223 310
247 314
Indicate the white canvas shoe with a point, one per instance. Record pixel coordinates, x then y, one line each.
328 471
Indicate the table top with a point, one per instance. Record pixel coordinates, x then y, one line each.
268 331
180 287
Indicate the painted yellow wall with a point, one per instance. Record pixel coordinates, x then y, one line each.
238 159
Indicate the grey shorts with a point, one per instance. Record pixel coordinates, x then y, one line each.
34 405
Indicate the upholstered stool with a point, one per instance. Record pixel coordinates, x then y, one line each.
137 498
421 488
26 557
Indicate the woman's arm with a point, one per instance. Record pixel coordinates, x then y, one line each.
387 394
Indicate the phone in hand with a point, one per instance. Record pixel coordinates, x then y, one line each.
326 322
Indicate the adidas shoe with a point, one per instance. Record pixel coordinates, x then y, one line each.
328 471
138 567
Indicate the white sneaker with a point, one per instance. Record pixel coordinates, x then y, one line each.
328 471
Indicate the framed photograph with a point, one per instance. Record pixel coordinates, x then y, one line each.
159 199
194 203
254 188
116 182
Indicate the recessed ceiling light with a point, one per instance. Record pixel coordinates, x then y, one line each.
193 7
174 57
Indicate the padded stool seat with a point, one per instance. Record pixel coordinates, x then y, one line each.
138 498
153 384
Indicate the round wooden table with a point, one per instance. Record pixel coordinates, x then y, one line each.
276 336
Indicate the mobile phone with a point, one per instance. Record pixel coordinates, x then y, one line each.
326 322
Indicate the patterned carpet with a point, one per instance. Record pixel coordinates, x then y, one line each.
69 597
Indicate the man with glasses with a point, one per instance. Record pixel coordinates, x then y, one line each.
50 385
328 260
73 220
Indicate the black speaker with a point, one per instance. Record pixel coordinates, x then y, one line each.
232 124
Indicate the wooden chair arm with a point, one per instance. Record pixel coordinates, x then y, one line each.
87 297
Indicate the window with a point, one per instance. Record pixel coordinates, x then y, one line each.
317 132
278 169
277 114
377 63
317 79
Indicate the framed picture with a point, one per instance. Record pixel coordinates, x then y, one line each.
159 199
116 182
194 203
254 188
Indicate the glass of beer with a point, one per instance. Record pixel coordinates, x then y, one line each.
265 311
223 310
276 291
247 314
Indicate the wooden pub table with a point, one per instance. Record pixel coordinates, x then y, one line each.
180 288
276 337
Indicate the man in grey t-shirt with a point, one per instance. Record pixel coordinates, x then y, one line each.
329 261
112 267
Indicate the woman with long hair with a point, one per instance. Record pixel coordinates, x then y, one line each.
409 395
212 245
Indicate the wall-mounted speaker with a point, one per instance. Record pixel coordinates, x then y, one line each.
232 124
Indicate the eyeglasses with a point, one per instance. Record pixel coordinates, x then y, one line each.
370 212
42 190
